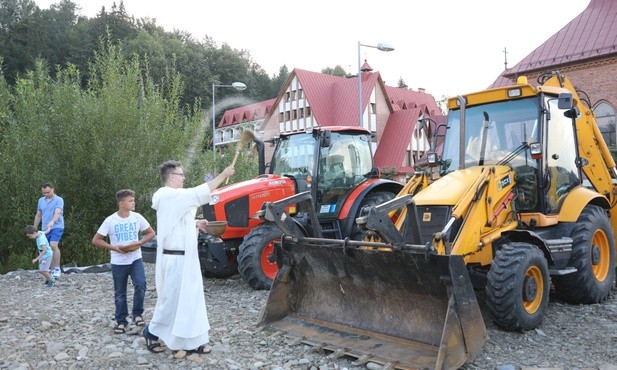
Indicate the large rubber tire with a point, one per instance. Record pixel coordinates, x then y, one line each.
371 199
593 256
253 263
518 286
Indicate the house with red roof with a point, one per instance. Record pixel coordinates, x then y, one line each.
234 121
585 50
310 99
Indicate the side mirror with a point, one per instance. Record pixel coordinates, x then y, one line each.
421 124
571 113
564 101
326 138
536 150
373 174
432 159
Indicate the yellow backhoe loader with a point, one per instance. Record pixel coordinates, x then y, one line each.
526 199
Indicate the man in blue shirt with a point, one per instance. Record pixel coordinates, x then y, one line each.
50 211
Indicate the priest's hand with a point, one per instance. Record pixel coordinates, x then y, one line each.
201 224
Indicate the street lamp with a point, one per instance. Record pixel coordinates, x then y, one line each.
382 47
236 85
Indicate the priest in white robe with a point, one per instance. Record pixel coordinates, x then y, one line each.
180 319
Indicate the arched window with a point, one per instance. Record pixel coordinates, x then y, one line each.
605 115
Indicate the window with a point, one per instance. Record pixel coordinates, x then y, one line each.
492 131
300 94
301 113
308 112
295 114
287 96
605 116
561 157
281 117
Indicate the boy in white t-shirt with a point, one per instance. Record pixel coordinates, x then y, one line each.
123 229
45 253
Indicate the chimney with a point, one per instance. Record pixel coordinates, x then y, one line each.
421 89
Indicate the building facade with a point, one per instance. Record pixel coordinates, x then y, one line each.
585 50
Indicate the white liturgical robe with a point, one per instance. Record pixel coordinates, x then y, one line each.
180 319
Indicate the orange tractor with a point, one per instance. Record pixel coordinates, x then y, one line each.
330 170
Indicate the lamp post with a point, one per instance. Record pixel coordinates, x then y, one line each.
382 47
236 85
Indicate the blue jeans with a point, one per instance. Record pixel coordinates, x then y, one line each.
121 274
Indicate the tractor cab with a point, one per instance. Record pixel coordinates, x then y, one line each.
328 163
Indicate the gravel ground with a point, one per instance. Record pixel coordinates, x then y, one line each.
70 326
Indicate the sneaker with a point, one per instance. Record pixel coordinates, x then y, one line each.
56 273
50 283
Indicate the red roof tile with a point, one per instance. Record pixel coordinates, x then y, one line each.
334 100
407 99
398 133
246 113
318 91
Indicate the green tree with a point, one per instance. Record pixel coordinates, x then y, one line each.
89 142
279 80
336 71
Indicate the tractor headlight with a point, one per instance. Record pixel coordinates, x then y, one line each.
214 199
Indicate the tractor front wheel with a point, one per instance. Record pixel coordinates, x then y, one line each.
254 262
371 200
518 286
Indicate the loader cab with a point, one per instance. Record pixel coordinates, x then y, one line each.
532 133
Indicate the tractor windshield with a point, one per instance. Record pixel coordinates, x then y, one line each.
342 166
493 133
294 157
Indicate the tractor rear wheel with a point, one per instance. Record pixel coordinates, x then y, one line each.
371 199
593 256
254 256
518 286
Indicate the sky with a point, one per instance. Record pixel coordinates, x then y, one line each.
447 47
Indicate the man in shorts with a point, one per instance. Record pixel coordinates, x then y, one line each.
50 211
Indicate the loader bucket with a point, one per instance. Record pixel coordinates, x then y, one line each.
401 309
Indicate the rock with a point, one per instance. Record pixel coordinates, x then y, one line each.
83 352
79 324
195 358
53 348
61 356
506 367
45 326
